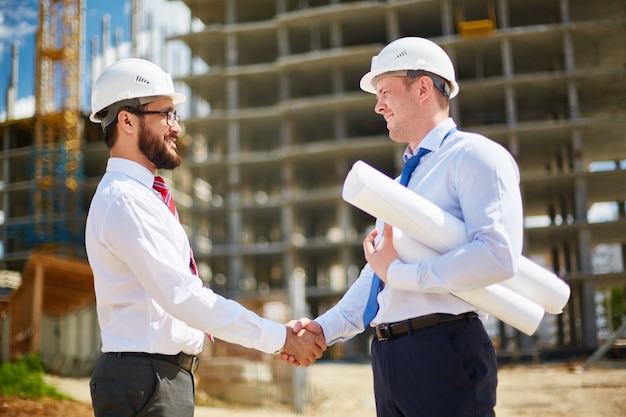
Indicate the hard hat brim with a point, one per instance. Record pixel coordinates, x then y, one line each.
368 82
177 98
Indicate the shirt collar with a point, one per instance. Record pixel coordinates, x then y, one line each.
433 140
132 169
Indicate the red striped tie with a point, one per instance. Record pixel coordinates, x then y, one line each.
163 189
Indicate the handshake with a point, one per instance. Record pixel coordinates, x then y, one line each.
305 342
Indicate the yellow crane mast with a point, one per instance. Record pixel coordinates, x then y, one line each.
57 162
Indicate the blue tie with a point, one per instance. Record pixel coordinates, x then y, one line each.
372 301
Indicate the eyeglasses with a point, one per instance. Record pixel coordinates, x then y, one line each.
171 116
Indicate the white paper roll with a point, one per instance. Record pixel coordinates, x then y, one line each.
507 306
382 197
496 299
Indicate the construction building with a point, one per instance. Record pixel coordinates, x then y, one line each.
287 120
277 119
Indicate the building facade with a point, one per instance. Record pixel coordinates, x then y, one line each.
276 119
286 120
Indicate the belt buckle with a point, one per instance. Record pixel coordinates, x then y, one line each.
383 332
194 363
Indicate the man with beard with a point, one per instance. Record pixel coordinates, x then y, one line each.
152 308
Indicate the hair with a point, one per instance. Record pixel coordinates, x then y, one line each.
110 135
111 132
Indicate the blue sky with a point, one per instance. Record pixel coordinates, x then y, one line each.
18 22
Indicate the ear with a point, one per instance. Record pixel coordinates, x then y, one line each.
425 87
126 122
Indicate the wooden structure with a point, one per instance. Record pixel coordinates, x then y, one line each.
52 285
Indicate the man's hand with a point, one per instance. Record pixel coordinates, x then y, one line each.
382 255
303 346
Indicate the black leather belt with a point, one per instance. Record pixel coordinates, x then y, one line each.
188 362
390 330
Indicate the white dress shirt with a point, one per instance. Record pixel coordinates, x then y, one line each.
477 181
148 300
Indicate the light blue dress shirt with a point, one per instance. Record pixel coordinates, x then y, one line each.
477 181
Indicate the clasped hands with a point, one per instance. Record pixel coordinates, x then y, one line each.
305 342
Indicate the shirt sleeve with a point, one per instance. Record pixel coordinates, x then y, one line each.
345 320
485 180
157 253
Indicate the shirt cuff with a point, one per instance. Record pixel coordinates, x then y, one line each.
332 327
273 336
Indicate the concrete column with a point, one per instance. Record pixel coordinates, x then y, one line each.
580 201
235 261
232 94
587 288
587 293
393 27
235 223
340 126
507 57
568 52
297 293
513 145
503 14
344 223
283 42
232 53
577 151
510 105
572 98
337 80
564 6
230 12
447 18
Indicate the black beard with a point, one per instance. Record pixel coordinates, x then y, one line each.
156 150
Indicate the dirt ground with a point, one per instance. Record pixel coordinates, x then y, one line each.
346 390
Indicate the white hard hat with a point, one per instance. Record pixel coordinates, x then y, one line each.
412 53
129 82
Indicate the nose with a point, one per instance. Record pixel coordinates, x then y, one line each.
379 107
176 126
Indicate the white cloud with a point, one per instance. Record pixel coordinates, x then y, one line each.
17 22
24 108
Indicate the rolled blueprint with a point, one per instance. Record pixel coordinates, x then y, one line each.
497 300
373 192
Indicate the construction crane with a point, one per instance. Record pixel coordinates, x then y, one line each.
57 162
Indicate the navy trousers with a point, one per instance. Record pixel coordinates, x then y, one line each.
129 386
447 370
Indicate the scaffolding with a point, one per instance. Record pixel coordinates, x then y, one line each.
57 161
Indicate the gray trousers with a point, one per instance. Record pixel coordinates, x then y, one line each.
130 386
